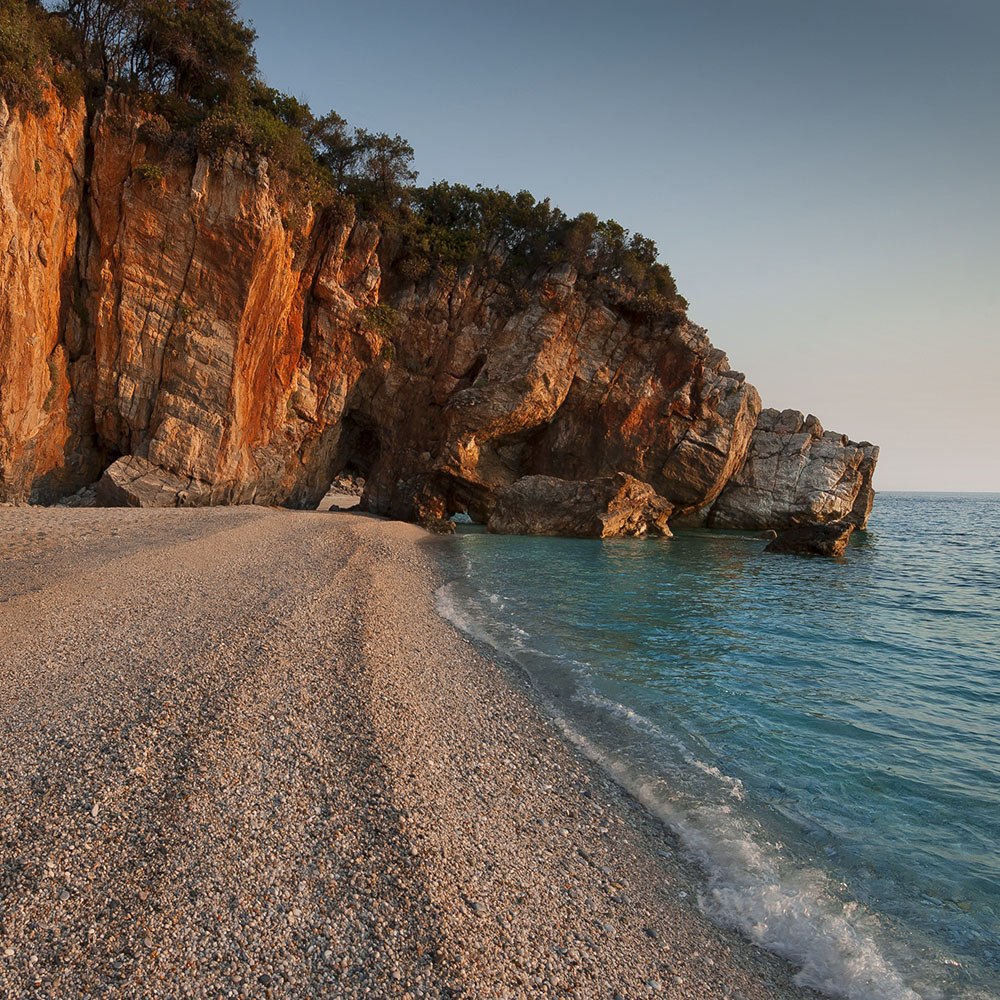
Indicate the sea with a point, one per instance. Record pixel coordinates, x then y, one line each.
823 736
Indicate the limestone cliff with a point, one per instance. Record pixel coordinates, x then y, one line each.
180 311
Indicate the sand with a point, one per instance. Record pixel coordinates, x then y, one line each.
242 756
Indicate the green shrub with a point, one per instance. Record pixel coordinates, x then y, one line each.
156 129
381 318
510 239
192 70
148 172
24 54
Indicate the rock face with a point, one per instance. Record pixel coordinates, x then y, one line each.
601 508
42 422
813 540
183 313
797 473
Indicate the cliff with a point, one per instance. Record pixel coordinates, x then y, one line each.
181 313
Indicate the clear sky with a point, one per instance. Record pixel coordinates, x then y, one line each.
822 177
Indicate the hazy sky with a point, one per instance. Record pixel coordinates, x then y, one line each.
822 177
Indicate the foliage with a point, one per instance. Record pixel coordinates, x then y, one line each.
148 172
510 238
381 318
24 52
191 65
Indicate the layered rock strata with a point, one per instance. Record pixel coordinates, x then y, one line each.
797 473
183 315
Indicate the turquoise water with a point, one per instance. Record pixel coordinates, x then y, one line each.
824 736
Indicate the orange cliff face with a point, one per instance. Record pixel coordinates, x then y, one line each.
188 318
41 186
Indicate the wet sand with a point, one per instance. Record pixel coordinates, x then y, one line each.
241 756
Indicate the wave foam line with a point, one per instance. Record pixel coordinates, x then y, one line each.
793 916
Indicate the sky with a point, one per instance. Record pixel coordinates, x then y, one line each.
823 178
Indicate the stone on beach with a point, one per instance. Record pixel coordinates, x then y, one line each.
135 482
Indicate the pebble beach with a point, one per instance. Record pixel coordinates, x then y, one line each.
242 756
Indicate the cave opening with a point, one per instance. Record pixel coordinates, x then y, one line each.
359 448
355 455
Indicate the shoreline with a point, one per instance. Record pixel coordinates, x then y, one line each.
457 844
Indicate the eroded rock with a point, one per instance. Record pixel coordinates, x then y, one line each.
797 473
231 340
600 508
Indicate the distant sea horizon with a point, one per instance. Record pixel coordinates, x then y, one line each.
823 736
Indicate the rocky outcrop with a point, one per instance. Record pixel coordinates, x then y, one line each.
797 473
601 508
184 314
828 540
562 388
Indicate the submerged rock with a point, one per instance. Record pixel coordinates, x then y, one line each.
599 508
813 540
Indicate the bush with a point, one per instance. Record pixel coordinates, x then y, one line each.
510 239
148 172
192 69
24 54
381 318
156 129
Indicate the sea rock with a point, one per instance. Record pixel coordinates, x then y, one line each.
599 508
797 473
828 539
134 482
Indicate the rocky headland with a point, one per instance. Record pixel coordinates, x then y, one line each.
174 323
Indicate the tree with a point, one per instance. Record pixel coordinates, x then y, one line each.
332 143
23 52
383 165
197 49
106 31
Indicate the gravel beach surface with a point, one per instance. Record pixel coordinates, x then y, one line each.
241 756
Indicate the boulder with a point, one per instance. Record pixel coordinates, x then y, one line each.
135 482
813 540
599 508
797 473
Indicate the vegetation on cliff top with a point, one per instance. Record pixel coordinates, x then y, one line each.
191 66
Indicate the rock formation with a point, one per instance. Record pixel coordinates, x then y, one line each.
797 473
602 508
181 315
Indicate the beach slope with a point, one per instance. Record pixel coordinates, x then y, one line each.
241 756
